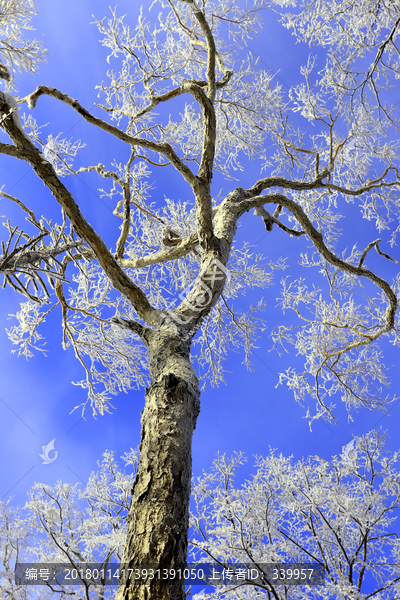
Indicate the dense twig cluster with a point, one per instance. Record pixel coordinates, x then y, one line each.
26 260
70 525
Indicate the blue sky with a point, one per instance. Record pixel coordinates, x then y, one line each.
250 413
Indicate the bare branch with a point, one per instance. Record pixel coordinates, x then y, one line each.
25 208
9 150
134 326
24 260
368 248
269 221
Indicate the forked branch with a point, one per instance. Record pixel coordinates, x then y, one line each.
160 148
369 247
318 241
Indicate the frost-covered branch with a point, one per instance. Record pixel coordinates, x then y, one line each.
334 339
18 52
159 148
317 239
23 255
65 524
351 32
46 172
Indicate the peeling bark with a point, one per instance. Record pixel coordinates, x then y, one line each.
158 520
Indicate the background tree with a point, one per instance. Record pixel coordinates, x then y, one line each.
188 250
14 540
339 514
64 524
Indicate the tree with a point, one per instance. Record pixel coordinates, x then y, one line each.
64 524
188 249
14 539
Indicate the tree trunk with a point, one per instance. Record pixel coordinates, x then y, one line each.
158 519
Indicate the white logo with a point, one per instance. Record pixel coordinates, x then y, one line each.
349 451
46 449
201 293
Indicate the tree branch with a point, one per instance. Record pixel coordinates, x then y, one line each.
186 245
126 186
317 183
211 50
31 214
269 221
31 154
174 93
134 326
205 172
368 248
161 148
317 239
9 150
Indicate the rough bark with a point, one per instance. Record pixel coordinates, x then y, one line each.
158 520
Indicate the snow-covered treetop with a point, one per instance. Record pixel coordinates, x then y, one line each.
70 525
337 514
